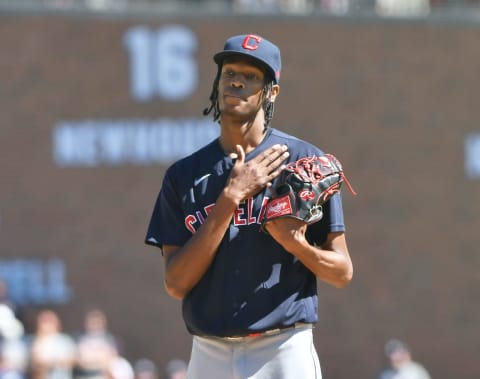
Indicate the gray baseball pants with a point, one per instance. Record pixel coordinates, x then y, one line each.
289 354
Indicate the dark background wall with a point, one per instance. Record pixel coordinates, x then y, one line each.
394 101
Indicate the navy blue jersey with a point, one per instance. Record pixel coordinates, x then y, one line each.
253 284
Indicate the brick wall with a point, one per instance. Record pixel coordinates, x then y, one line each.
394 101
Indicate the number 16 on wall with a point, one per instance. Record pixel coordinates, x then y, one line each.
162 62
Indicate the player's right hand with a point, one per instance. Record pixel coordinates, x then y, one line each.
248 178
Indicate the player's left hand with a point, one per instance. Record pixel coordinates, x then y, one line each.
287 231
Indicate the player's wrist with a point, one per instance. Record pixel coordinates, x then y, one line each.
231 196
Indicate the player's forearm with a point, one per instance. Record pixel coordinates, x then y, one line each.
186 266
331 264
331 267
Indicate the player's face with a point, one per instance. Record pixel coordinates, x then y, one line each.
240 88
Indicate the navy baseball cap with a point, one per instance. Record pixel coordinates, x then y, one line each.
253 46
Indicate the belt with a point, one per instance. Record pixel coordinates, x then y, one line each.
270 332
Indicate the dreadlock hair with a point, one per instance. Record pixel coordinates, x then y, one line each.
267 105
214 98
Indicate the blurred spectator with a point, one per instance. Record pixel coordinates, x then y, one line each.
52 352
338 7
297 6
13 359
96 347
176 369
10 326
145 369
119 367
454 3
401 364
6 372
95 325
255 6
273 6
13 350
107 4
59 3
4 298
402 8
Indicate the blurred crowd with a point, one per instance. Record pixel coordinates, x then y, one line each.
50 353
386 8
96 353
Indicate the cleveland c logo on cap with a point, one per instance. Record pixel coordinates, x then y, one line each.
246 42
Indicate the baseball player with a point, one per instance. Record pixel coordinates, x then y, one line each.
249 298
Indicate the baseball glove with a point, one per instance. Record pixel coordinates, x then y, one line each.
303 187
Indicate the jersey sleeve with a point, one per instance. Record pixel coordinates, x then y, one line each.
167 225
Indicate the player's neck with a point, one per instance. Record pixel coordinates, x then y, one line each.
248 135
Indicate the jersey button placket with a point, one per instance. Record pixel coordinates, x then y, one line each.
231 278
235 305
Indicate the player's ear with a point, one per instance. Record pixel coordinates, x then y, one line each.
275 92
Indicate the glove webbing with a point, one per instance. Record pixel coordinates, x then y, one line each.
313 169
